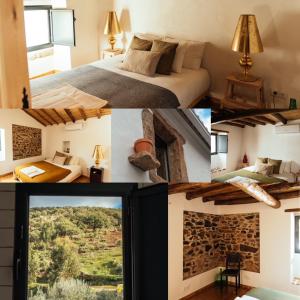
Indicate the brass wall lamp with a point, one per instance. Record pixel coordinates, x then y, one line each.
247 41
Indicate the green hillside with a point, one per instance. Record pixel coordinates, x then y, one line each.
75 247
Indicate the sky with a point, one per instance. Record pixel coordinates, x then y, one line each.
75 201
205 116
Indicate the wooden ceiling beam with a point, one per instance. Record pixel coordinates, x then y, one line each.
223 117
234 124
247 200
59 116
46 113
82 113
70 115
245 123
42 117
252 120
265 119
186 187
211 190
28 112
280 118
292 210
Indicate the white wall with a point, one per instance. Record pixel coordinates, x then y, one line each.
90 21
127 127
215 22
275 249
17 117
178 287
235 147
262 141
82 142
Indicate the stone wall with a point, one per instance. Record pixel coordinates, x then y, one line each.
208 238
27 142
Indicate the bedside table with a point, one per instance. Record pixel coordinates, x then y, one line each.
256 86
297 177
243 165
111 52
96 174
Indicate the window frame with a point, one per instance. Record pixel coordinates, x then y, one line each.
297 234
48 8
216 138
166 164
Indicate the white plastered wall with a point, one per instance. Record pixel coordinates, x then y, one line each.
17 117
276 246
215 22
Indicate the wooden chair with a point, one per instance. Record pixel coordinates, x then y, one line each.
233 269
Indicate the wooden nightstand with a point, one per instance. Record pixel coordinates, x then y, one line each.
96 174
297 177
111 52
235 100
243 165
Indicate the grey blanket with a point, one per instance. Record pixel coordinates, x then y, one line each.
120 91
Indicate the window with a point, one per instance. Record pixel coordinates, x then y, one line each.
222 143
213 143
2 145
297 234
45 27
161 149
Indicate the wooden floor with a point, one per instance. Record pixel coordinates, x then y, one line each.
215 293
10 178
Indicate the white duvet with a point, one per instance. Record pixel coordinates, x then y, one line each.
187 86
75 171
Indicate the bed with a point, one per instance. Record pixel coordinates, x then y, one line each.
123 89
248 173
267 294
53 172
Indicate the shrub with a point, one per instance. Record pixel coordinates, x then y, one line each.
70 289
109 295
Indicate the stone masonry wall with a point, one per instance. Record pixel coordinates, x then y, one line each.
208 238
27 142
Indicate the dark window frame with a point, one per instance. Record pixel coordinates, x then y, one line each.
161 144
48 8
297 234
216 138
145 232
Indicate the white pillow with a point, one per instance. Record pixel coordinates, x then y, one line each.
60 160
295 168
180 53
285 167
74 160
193 55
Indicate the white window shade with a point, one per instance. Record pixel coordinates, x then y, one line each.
2 145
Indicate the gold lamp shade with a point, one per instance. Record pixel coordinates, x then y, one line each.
112 27
98 154
247 41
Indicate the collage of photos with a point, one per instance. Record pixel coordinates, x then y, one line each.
149 150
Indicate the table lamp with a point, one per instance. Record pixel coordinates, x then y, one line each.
98 154
247 41
112 27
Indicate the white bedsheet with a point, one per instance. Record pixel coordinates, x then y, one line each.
289 177
75 171
187 86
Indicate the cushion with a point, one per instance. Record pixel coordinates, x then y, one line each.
60 160
276 165
285 167
261 160
168 51
67 161
74 161
179 55
148 36
193 55
142 62
59 154
264 169
140 44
